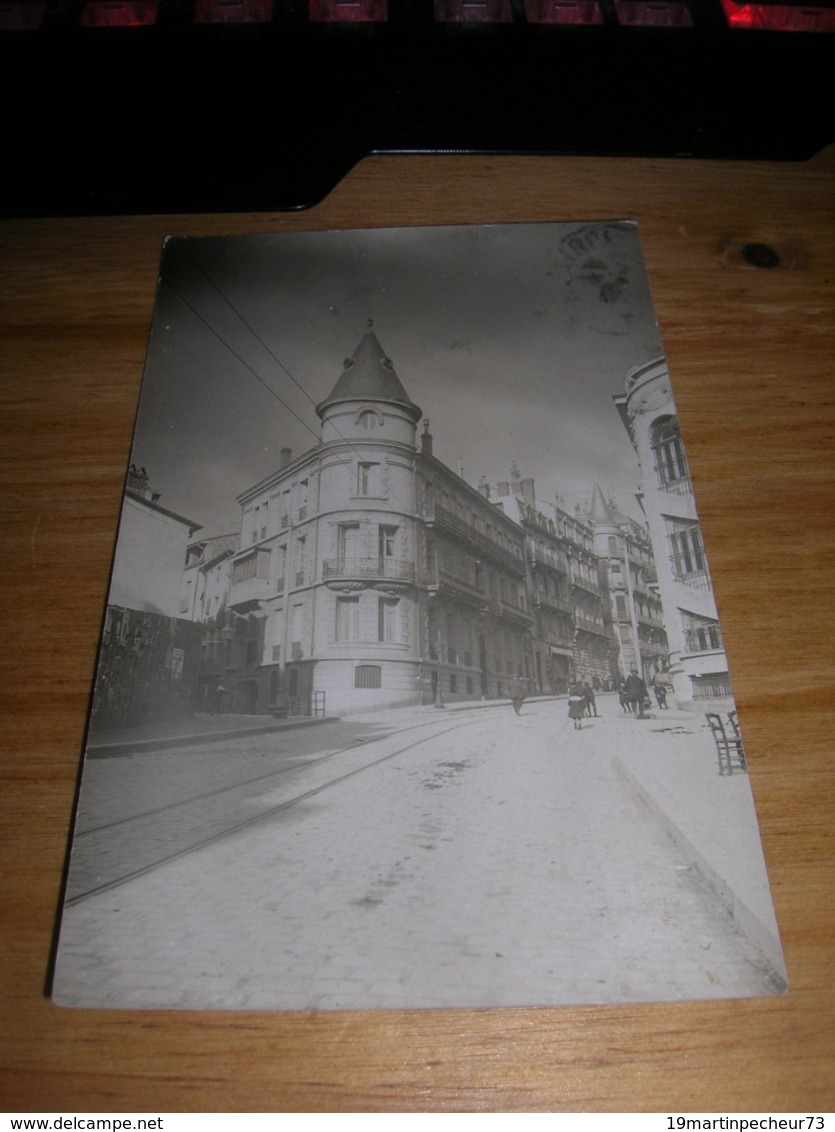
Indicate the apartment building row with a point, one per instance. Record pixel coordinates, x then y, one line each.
369 574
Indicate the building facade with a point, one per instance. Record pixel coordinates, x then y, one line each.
698 666
478 619
562 588
368 574
628 572
149 659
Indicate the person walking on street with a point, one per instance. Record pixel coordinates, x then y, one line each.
635 693
517 694
576 705
591 705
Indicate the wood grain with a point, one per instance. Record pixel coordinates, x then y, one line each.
751 355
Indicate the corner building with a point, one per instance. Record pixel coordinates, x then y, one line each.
369 574
698 665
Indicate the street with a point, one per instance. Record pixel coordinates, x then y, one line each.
466 857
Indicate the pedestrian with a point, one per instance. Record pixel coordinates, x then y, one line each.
624 703
517 694
217 699
588 692
576 705
635 693
660 693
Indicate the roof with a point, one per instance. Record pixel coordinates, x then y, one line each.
369 376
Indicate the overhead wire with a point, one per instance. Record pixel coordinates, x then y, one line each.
275 358
235 354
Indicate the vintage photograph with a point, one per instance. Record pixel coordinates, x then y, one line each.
411 690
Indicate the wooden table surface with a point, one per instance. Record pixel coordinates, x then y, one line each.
751 355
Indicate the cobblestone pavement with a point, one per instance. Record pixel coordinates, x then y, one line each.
409 859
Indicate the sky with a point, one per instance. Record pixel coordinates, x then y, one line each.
511 338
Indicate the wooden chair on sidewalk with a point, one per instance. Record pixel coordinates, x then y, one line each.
728 739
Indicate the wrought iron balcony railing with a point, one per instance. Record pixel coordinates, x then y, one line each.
395 569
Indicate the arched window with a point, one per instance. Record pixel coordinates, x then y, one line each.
670 458
369 419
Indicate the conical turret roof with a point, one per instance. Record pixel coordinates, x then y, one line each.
601 512
369 376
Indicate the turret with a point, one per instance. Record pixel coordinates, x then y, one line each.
368 402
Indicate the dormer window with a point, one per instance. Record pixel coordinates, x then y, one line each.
369 419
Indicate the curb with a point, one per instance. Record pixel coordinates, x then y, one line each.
746 921
140 746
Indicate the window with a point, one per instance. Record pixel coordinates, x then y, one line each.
346 546
388 619
711 686
368 419
280 567
688 553
701 634
301 559
303 492
670 459
368 676
368 479
296 630
347 618
387 545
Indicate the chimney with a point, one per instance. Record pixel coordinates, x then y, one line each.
426 439
503 488
137 482
286 457
484 488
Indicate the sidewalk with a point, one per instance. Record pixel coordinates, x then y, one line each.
203 728
669 762
119 741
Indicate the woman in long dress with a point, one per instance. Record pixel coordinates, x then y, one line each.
576 705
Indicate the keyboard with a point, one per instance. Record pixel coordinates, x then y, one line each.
151 106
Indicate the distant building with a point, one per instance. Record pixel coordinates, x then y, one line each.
569 637
593 644
148 564
204 595
698 666
628 570
150 652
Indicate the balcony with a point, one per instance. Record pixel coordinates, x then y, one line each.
515 613
586 625
586 584
651 620
250 581
541 556
549 601
451 524
373 569
448 583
